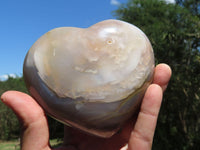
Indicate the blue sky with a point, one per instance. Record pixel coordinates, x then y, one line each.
23 22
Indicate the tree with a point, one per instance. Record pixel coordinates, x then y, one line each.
9 126
174 31
192 5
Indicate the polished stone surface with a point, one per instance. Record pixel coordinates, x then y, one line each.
92 79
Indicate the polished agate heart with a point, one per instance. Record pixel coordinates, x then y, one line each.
92 79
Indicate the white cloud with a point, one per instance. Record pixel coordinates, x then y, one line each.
114 2
5 77
171 1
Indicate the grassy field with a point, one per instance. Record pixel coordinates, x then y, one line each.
14 145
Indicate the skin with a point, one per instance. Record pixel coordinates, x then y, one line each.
136 134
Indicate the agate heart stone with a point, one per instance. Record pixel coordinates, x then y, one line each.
92 79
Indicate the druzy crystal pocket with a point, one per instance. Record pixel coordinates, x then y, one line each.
92 79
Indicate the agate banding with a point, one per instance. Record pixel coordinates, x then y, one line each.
92 79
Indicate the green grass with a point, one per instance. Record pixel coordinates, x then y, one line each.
9 145
14 145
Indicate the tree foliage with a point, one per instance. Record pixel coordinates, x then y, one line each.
174 31
192 5
9 126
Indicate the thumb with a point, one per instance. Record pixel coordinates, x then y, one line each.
35 134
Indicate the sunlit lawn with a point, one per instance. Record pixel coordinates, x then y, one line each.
14 145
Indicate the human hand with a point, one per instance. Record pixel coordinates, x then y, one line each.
136 134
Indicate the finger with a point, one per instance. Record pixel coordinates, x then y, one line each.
162 75
35 133
142 135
